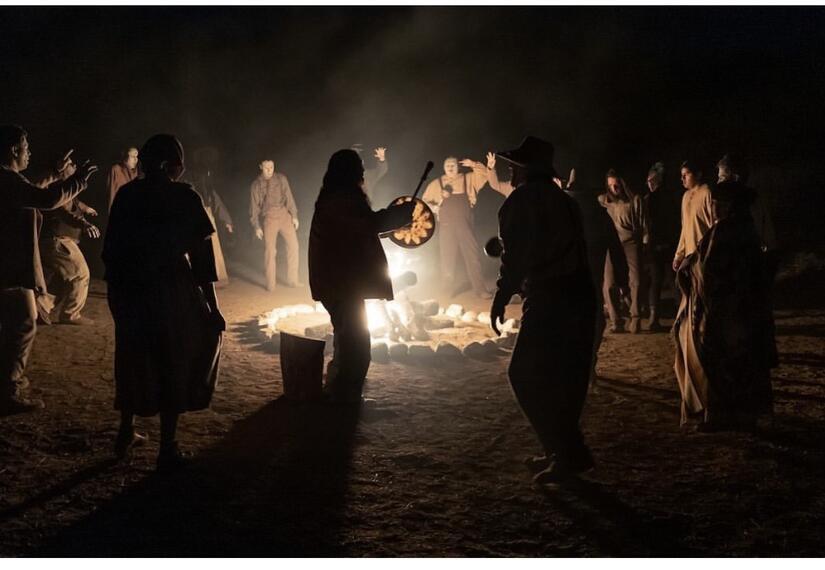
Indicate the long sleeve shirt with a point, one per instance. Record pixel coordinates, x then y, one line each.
65 221
541 229
118 176
20 202
697 218
268 195
629 217
469 183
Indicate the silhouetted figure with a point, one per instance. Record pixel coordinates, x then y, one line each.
122 172
545 261
64 266
662 205
204 182
630 218
602 240
272 203
347 265
160 270
452 198
724 330
21 273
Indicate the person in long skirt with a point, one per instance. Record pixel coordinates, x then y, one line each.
160 271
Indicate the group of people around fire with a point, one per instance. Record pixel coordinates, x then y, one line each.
569 254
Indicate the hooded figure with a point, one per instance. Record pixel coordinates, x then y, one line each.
347 265
545 261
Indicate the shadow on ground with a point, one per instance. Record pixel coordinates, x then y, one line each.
276 486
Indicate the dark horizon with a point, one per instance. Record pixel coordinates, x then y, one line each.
616 87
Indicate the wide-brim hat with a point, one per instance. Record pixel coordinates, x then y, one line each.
532 153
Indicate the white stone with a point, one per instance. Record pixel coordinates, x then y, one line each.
448 350
509 325
303 309
421 353
380 352
399 351
484 318
473 350
454 311
469 317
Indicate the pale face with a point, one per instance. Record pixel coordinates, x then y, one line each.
725 174
613 186
267 169
689 179
451 167
132 158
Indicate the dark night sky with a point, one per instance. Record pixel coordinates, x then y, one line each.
616 86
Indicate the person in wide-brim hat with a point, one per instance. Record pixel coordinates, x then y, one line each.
533 153
545 261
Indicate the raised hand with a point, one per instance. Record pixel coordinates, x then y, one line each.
259 233
491 160
381 153
86 170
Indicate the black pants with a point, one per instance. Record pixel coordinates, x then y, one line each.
550 369
351 357
18 326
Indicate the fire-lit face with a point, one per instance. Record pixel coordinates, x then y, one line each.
689 179
267 169
132 158
23 155
614 186
653 182
451 167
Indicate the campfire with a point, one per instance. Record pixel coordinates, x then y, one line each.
401 330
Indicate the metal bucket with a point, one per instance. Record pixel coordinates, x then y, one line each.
302 367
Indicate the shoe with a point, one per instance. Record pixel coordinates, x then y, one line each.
126 441
561 471
635 325
79 321
17 404
172 459
538 463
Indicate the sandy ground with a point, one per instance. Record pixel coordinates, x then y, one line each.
432 466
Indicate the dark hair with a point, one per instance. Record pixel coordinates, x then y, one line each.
625 191
692 167
158 150
345 172
10 136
